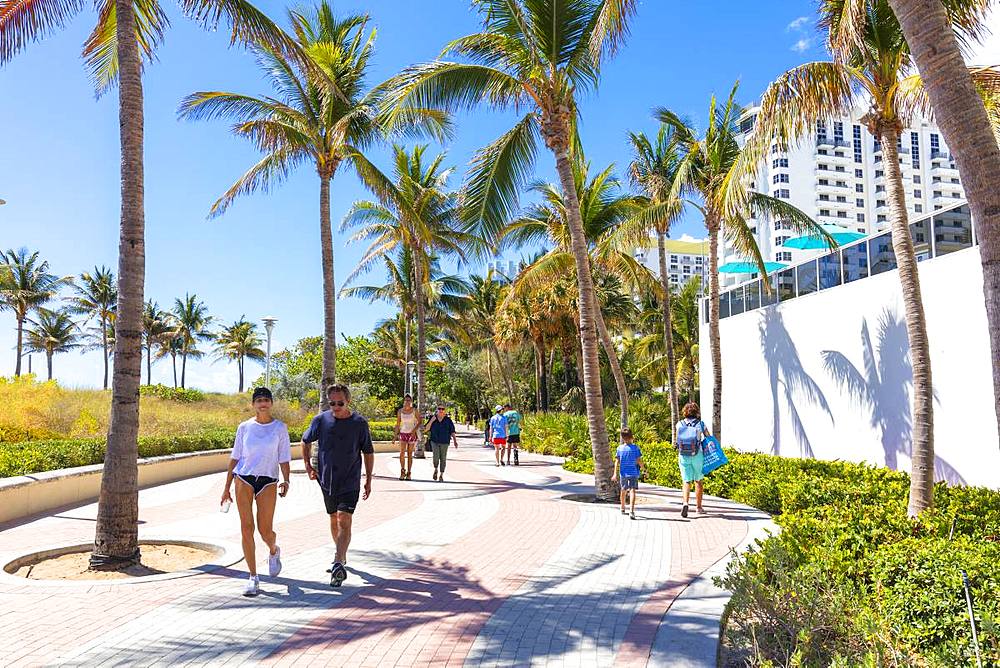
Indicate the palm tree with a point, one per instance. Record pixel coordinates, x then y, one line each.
872 67
170 346
654 170
603 209
52 332
96 298
25 285
124 38
714 168
685 326
534 56
157 326
413 210
238 342
192 326
310 123
930 28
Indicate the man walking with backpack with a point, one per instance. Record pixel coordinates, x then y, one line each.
691 431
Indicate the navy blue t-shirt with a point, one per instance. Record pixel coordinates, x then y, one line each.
341 442
441 430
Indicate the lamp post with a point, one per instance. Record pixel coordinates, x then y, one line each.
269 323
409 377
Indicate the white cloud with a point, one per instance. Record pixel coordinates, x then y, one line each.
802 45
690 239
797 24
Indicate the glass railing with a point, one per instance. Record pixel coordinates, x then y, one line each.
941 233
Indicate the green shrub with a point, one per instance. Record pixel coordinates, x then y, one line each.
180 394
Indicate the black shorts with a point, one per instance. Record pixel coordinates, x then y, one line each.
258 482
341 501
513 438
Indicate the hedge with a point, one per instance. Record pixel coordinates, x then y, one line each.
850 580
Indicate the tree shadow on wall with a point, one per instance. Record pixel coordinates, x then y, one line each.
882 386
789 381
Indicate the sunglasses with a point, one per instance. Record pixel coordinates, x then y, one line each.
338 404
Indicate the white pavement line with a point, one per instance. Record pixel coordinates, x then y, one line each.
216 624
576 609
688 634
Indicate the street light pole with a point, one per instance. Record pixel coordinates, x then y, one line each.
409 377
269 322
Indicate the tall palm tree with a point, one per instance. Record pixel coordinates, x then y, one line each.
170 346
25 285
239 342
157 326
873 68
413 210
714 168
96 298
534 55
935 31
308 123
603 209
124 39
654 170
192 326
52 332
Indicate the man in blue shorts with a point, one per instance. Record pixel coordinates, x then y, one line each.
344 440
628 463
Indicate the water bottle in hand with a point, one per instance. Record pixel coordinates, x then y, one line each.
226 505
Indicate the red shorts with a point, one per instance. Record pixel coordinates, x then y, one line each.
407 438
500 442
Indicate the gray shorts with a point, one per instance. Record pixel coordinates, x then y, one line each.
630 482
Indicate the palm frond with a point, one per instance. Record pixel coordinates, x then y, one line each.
25 21
100 52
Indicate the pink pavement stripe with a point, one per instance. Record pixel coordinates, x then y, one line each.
55 621
704 541
432 612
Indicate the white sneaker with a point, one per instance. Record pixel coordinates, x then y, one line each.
274 563
253 586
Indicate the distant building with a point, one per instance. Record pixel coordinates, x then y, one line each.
685 260
836 176
507 268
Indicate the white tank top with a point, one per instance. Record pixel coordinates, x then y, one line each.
408 421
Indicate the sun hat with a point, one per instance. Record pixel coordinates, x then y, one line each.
498 407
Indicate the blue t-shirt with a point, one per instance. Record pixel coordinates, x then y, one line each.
628 455
441 430
498 426
513 422
341 443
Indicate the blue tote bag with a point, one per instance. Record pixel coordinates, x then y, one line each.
714 456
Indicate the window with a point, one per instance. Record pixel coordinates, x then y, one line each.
857 147
824 198
876 145
780 241
839 169
841 199
838 131
824 212
841 214
673 258
859 173
859 187
879 202
860 203
916 179
829 271
880 218
698 260
952 230
783 256
883 259
855 262
917 192
780 178
779 162
806 278
861 217
841 184
825 168
935 144
918 208
838 154
824 182
938 193
775 193
823 151
784 193
879 173
820 131
915 150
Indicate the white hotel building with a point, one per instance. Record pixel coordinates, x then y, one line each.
835 176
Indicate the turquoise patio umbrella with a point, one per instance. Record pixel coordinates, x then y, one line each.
814 241
749 267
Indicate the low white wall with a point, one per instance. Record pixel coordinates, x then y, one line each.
828 375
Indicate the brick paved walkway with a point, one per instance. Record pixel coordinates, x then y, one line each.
489 568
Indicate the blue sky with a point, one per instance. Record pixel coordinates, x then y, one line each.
59 154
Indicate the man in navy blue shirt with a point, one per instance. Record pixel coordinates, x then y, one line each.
344 440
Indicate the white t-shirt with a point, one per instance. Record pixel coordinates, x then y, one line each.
259 448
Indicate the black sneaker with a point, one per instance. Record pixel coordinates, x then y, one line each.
632 515
337 574
516 461
501 463
684 510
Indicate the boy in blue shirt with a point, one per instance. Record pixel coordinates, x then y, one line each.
628 463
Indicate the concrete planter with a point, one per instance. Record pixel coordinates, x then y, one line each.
28 495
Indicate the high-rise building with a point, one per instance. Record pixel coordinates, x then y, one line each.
836 175
685 260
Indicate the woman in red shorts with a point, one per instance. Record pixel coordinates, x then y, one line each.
407 428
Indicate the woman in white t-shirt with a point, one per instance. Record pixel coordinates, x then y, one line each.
407 433
261 448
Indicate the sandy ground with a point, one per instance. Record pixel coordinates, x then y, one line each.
156 558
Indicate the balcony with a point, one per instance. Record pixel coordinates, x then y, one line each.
832 187
832 203
946 169
948 185
822 141
945 199
834 219
942 156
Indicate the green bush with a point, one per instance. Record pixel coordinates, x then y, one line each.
180 394
850 579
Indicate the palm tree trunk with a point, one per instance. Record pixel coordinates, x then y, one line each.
329 376
505 373
20 345
184 364
960 114
712 222
173 361
239 366
149 364
668 332
566 352
406 366
116 534
588 334
536 349
922 454
418 286
616 367
48 362
104 347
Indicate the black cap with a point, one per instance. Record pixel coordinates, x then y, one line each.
262 392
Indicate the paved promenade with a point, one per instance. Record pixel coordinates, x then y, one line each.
489 568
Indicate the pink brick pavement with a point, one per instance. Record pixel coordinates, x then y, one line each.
429 612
